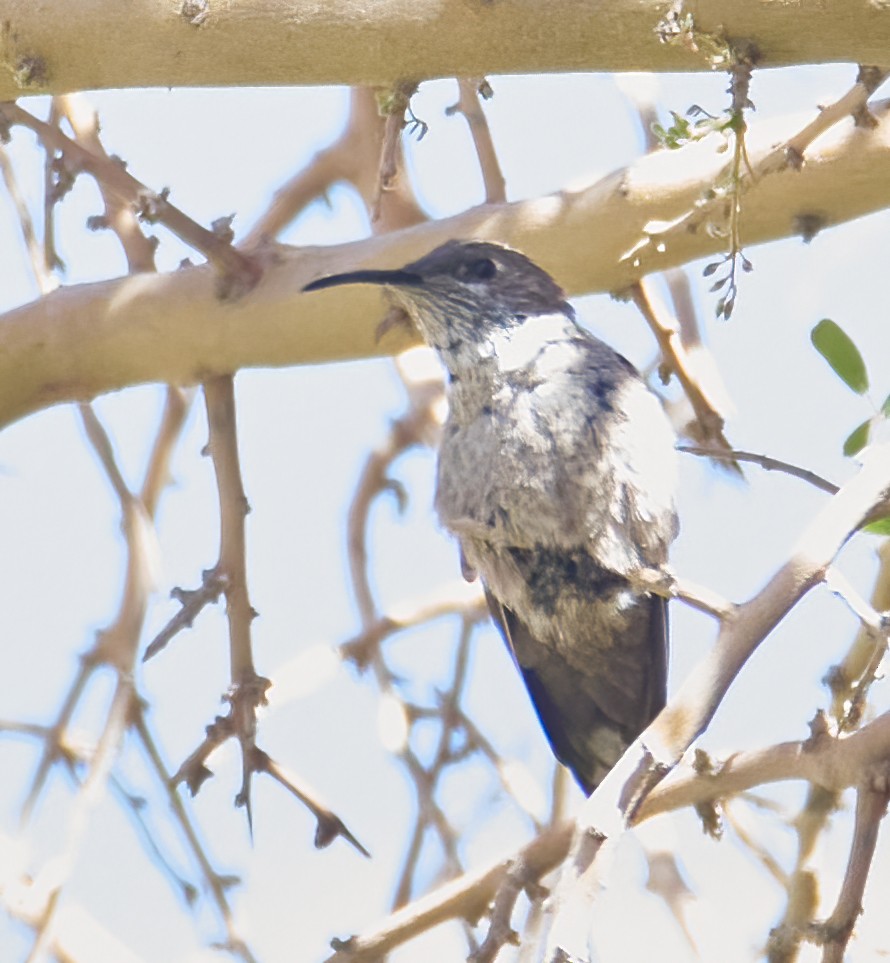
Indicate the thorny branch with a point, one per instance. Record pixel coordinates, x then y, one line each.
238 272
193 602
115 646
849 683
229 576
330 826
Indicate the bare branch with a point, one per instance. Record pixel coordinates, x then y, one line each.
871 807
216 884
469 605
239 273
872 621
676 359
354 158
765 462
46 281
468 105
786 938
465 898
248 689
500 932
172 328
851 104
666 584
120 215
330 825
849 681
193 601
391 164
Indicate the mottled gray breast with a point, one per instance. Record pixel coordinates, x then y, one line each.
541 454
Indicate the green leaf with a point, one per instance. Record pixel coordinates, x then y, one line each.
857 439
885 407
836 347
880 527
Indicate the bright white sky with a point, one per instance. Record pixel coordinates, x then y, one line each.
304 434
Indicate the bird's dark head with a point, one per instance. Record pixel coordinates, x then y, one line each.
461 290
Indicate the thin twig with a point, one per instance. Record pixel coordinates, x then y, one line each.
216 884
871 807
46 280
239 273
755 846
710 419
330 825
361 648
468 105
668 585
765 462
88 797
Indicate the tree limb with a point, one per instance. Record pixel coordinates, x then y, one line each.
51 46
87 339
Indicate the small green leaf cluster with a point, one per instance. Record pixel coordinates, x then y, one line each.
684 131
846 361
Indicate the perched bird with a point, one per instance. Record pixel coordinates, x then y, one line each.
556 473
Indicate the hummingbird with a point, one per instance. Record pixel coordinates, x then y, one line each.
556 474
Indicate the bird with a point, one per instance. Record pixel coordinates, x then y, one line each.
556 474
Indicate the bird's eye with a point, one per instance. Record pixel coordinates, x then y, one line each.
482 270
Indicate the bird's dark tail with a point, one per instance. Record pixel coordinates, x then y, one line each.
595 701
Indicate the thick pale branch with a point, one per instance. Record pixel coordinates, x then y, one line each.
51 46
84 340
834 764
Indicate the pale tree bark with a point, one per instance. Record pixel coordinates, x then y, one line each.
58 46
87 339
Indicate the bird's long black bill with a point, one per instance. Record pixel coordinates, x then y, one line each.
396 278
